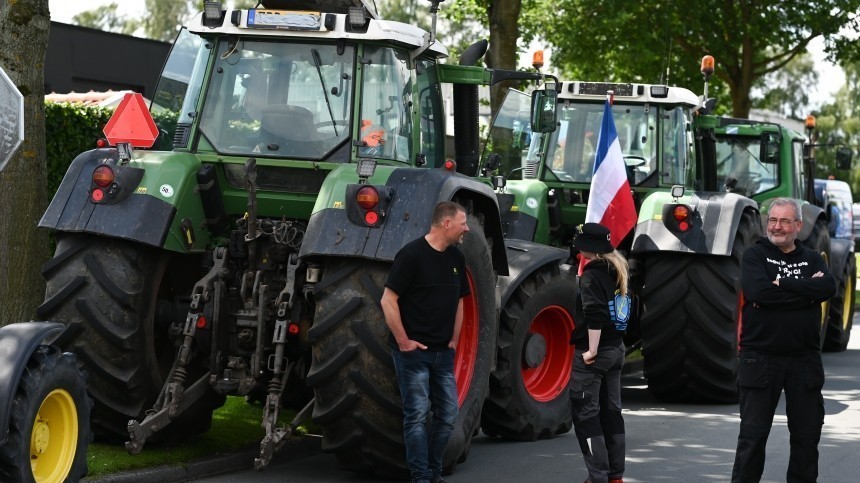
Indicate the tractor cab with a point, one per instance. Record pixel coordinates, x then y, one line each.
653 127
322 86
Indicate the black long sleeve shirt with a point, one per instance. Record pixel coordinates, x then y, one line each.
595 304
784 318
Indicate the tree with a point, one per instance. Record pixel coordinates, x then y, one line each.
23 247
107 19
164 18
510 25
787 90
623 41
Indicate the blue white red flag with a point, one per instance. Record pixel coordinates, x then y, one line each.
610 201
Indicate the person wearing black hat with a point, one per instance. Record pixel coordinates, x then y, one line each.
603 308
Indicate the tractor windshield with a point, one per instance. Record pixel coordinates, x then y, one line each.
279 99
739 168
573 145
655 142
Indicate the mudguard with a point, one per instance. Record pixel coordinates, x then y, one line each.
144 205
524 257
17 344
416 192
715 220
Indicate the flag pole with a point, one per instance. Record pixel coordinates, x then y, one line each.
610 97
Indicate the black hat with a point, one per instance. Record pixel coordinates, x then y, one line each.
593 238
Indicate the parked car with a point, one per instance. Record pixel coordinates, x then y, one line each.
842 214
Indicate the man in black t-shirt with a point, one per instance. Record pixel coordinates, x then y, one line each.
423 307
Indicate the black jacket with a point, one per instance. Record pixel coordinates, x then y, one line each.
784 318
597 304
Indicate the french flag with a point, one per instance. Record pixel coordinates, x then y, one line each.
610 201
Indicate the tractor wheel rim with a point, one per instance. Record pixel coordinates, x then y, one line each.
549 378
846 302
467 346
54 439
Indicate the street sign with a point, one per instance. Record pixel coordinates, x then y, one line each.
131 123
11 118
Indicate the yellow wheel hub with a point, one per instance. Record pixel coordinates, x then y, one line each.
54 439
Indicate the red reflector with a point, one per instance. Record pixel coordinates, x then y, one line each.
367 198
450 165
684 226
102 143
98 195
103 176
201 322
371 217
681 213
293 329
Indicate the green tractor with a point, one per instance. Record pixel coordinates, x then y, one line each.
249 260
763 161
686 248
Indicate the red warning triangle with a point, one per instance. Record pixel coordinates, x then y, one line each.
131 123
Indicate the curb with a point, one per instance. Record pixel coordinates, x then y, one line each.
294 448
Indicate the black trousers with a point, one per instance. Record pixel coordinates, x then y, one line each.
761 380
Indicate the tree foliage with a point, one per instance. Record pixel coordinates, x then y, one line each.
621 40
106 18
787 91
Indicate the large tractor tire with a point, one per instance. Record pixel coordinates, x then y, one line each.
842 309
690 321
529 397
49 426
107 291
819 240
352 373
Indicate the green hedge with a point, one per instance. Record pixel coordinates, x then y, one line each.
72 129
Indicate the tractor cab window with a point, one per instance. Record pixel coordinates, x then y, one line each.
572 149
180 82
676 142
431 135
279 99
739 169
386 96
511 137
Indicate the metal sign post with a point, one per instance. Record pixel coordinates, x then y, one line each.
11 118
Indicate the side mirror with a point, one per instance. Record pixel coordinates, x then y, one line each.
769 148
843 158
544 115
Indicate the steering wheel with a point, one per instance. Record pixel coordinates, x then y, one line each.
634 160
747 181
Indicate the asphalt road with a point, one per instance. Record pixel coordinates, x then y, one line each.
666 442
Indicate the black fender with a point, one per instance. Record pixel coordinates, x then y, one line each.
416 192
840 251
126 215
17 343
715 220
524 258
811 214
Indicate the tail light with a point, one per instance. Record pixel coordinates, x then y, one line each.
366 204
103 176
678 217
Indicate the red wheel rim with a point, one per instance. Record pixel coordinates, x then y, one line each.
551 377
467 346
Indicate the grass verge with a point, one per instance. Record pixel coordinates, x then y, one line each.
235 427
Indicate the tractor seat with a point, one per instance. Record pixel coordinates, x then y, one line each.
290 127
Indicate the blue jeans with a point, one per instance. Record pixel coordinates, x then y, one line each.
426 380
